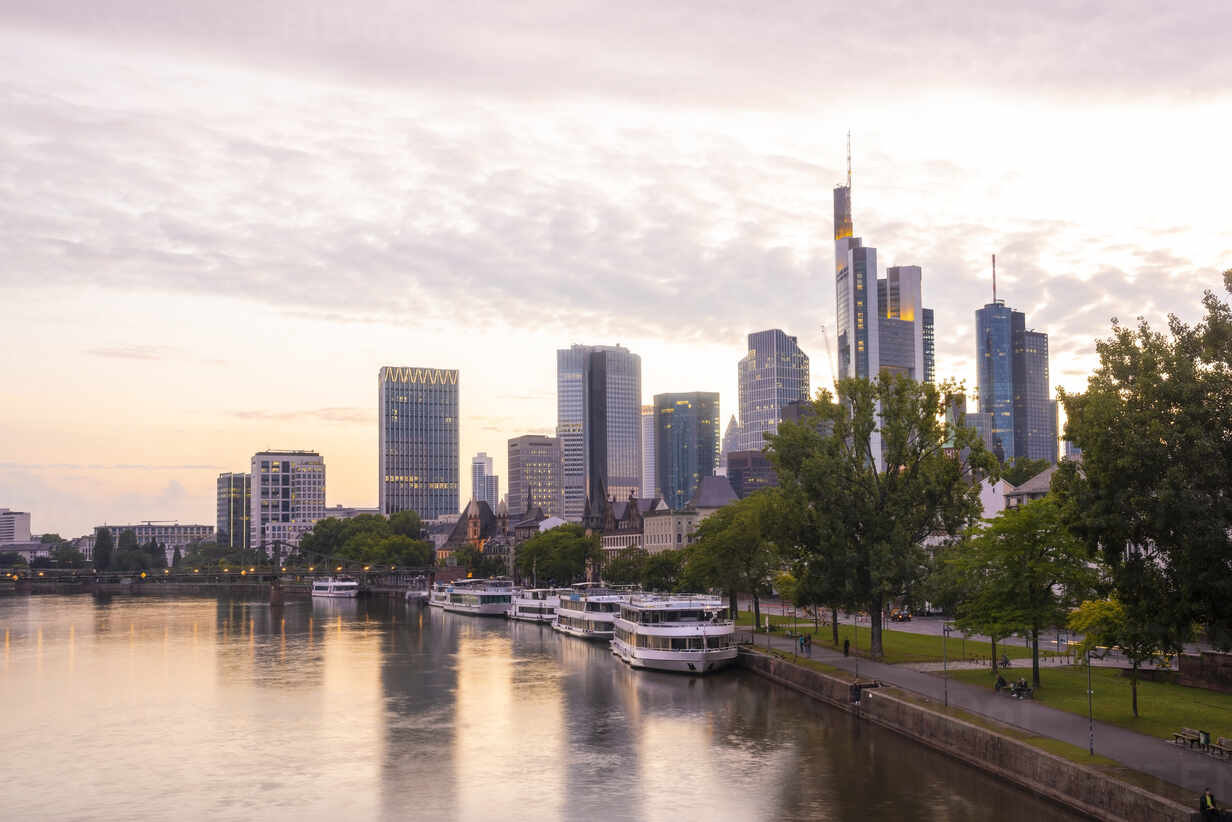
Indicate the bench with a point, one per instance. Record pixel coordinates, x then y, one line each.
1187 736
1222 748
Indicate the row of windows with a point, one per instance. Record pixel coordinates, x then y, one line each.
582 624
673 643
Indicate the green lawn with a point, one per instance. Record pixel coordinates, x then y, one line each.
1162 707
903 646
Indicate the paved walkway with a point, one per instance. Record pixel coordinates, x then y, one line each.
1188 769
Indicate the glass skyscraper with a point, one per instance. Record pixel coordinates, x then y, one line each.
485 485
773 373
534 467
1014 383
686 443
649 478
419 449
234 503
599 424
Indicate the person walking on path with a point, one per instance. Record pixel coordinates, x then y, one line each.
1208 806
846 646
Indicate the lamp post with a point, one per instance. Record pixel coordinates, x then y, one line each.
1090 706
945 661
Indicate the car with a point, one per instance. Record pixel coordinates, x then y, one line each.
900 615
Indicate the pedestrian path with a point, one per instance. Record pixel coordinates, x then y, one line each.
1187 769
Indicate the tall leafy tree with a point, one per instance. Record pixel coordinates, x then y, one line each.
1152 489
557 556
886 474
1022 469
407 524
734 548
1026 570
662 571
103 548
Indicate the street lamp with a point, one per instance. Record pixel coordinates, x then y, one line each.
1090 707
945 661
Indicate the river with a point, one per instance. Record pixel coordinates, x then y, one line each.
191 708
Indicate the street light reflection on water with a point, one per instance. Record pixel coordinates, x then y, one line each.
194 708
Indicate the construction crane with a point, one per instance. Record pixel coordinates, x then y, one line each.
830 356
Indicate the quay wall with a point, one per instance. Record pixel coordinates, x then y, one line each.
1068 783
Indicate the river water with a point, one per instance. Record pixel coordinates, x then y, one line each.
158 708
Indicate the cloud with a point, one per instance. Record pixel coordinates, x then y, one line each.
67 466
131 352
363 416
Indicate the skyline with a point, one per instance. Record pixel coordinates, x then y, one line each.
195 277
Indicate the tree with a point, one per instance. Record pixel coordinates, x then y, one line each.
158 557
102 549
1024 571
407 524
176 559
66 556
887 474
1151 490
557 556
662 571
628 568
51 539
479 564
127 541
1023 469
733 549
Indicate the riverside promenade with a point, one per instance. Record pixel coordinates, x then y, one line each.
1187 769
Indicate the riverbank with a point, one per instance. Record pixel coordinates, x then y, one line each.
1103 789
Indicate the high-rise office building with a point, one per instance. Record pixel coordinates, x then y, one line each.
14 525
773 373
485 485
534 466
419 441
1013 377
686 443
288 496
649 474
882 323
598 422
731 443
234 505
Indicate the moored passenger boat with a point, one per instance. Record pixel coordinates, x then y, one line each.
485 597
534 604
335 588
690 634
587 611
439 594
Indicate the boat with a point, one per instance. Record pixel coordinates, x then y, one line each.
485 597
439 594
416 594
588 609
335 588
534 604
689 634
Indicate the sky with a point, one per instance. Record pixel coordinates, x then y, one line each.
219 220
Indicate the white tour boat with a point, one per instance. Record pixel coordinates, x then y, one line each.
534 604
485 597
587 611
439 594
335 588
690 634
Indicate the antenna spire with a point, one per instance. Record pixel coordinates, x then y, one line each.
848 159
994 278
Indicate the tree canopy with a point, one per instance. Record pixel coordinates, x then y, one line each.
368 539
103 548
1152 488
557 556
887 474
734 550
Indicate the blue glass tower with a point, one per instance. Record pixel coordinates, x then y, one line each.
686 441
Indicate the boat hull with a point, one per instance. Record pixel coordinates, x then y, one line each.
583 633
491 609
684 662
335 594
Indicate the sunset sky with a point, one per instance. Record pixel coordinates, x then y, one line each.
218 221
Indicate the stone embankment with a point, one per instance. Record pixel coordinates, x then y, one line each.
1084 789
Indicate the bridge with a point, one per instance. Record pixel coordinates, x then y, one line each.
251 582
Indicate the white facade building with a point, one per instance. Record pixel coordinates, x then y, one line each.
485 485
288 496
170 535
14 526
648 452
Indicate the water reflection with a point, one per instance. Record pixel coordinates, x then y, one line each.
191 708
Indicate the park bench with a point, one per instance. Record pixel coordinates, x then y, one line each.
1221 748
1186 736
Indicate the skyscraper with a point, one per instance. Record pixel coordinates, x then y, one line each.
534 466
485 486
929 337
288 496
731 443
773 373
649 475
1013 383
882 323
234 507
686 443
418 448
598 422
